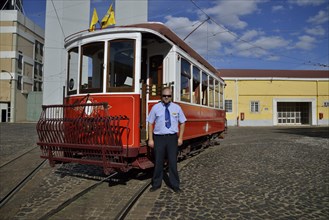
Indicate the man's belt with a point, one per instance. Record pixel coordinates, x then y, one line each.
165 134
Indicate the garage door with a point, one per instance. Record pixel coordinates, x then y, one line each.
293 113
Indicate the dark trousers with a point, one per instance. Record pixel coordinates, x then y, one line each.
165 145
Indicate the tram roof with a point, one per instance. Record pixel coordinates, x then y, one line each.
166 32
169 34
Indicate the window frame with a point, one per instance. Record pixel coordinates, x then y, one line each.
188 76
205 100
253 106
231 105
109 88
90 90
73 91
196 99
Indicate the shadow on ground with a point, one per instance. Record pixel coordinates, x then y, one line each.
320 132
92 172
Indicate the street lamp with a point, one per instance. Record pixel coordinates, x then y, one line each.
12 96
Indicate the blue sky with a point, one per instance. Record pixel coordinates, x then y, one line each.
240 34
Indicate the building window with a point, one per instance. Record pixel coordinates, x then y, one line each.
228 105
254 106
40 70
326 104
19 83
36 73
41 49
20 61
36 47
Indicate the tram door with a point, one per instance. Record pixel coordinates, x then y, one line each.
153 88
143 102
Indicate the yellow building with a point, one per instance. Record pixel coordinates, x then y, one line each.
21 65
276 97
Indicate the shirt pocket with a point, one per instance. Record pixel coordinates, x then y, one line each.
175 115
159 117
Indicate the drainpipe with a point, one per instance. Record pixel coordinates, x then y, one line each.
317 102
237 101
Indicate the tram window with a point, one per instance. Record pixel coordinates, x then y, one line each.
211 91
185 80
92 67
196 85
73 60
204 89
221 96
121 65
216 94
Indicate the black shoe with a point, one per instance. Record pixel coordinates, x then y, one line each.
153 189
177 190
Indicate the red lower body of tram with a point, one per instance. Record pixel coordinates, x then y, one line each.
109 131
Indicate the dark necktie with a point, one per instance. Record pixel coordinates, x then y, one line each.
167 117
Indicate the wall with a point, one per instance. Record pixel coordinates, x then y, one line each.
242 92
131 12
57 29
34 106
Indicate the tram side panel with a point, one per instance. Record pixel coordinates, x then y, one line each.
201 121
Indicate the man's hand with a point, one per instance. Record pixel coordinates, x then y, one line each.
151 143
180 141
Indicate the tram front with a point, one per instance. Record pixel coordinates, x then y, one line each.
99 121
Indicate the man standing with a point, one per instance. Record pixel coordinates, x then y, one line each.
163 137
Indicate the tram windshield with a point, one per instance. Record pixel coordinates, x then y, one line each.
73 60
92 61
121 65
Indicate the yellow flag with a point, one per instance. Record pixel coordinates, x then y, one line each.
94 21
109 18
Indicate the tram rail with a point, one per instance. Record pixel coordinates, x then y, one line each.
17 187
17 157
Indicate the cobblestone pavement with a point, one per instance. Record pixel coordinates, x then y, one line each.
16 139
256 173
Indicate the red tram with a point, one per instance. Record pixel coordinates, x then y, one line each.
114 77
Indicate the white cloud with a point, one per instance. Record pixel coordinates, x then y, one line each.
305 42
277 8
321 17
318 30
229 12
260 47
207 38
271 42
251 34
307 2
273 58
